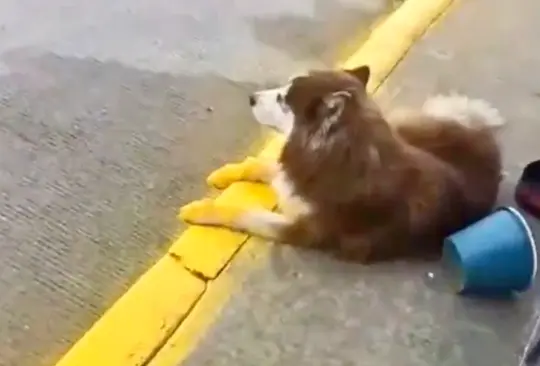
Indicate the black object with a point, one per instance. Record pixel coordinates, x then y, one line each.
533 354
527 194
252 100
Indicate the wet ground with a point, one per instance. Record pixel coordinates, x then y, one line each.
303 308
111 115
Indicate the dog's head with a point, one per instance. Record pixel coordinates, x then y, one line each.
335 132
316 103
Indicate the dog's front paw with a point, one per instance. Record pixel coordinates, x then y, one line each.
198 212
225 176
230 173
208 212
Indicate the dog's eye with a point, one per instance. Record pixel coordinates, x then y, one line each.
279 98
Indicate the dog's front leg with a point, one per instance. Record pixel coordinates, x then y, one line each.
255 221
251 169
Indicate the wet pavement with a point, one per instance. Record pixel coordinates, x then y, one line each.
111 115
303 308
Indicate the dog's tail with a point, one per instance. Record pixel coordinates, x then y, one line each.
474 113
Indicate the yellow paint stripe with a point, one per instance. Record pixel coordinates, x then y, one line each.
184 340
389 42
158 321
131 330
207 250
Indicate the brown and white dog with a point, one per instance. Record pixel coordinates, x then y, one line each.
354 184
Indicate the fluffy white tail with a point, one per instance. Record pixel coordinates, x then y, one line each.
472 113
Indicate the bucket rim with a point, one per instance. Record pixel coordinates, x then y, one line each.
449 251
530 236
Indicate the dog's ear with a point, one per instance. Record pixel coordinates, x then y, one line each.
362 73
334 104
330 107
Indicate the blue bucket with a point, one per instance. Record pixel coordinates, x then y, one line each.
495 256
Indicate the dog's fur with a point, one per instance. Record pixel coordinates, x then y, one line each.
367 189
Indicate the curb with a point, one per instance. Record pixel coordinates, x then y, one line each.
159 320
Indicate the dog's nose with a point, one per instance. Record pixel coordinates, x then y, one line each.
252 100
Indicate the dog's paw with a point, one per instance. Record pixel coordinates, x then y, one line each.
199 212
225 176
230 173
208 212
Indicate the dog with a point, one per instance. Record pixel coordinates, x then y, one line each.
360 186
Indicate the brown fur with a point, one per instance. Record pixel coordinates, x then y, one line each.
382 192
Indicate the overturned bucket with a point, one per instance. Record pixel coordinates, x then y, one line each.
495 256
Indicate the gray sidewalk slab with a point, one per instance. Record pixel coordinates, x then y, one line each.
306 309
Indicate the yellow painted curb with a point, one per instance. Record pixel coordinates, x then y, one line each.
143 319
389 43
158 321
192 329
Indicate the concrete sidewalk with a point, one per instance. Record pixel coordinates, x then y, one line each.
306 309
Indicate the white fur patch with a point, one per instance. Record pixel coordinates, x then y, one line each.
290 204
335 104
262 223
271 110
467 111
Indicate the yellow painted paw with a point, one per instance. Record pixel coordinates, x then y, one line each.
208 212
198 212
225 176
230 173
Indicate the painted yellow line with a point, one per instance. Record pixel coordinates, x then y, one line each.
184 340
389 42
131 330
158 321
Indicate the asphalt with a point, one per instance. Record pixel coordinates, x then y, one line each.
303 308
111 115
